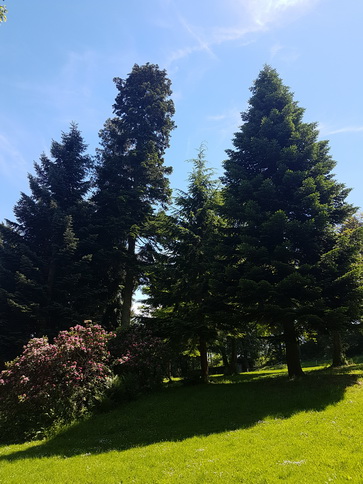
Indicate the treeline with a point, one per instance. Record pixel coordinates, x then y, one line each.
266 256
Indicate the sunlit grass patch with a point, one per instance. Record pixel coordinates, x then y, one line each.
257 427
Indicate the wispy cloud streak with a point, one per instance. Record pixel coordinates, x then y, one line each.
326 130
347 129
233 21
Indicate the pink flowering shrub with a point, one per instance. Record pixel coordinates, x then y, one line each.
140 358
54 383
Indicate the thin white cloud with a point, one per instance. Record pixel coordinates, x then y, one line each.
202 44
326 130
181 53
232 21
217 117
265 12
226 122
347 129
275 49
284 53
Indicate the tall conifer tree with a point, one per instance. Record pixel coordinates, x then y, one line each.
183 279
131 180
283 202
44 252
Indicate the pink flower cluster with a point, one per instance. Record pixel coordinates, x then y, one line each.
58 381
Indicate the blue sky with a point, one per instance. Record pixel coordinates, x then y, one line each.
58 60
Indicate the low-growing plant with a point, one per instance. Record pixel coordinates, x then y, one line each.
52 384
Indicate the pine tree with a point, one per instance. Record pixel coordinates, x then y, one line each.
283 203
13 329
182 282
131 180
44 253
340 276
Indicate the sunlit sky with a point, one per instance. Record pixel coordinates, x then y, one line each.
58 60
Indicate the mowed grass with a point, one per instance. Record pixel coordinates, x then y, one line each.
255 428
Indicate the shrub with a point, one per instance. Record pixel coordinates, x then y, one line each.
52 384
140 359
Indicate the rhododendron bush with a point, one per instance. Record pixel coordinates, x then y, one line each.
138 353
54 383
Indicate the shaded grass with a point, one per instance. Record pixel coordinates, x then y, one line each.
255 427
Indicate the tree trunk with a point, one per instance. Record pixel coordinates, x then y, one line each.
203 359
129 287
233 364
169 371
292 351
337 347
226 369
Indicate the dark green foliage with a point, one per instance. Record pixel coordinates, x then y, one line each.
131 178
140 360
284 262
340 278
182 281
283 203
44 255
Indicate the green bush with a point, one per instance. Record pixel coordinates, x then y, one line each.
140 359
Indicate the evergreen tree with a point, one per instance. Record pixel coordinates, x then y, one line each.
131 180
44 252
283 203
340 275
182 282
12 330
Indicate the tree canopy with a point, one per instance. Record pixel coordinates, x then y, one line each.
283 203
269 256
131 179
182 280
44 253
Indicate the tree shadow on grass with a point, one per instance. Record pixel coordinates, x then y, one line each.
183 412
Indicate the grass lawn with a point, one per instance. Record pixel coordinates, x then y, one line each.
258 427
